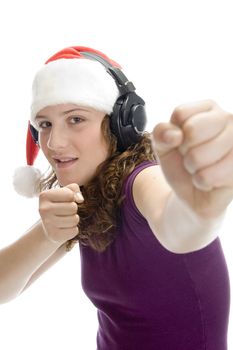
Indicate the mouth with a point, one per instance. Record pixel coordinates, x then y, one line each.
65 162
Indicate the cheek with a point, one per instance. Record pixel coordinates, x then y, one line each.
96 142
95 152
103 148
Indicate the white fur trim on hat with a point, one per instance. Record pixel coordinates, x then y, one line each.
26 181
80 81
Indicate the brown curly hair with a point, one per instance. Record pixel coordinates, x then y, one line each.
100 212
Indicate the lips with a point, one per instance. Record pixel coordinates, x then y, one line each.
65 162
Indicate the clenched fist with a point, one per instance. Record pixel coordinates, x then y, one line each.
195 150
58 209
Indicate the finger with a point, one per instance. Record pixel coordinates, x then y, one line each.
63 208
61 233
217 175
72 231
166 137
78 197
57 195
66 221
183 112
202 127
210 152
73 187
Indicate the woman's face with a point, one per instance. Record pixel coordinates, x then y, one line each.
71 139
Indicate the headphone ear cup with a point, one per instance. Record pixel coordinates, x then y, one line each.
138 119
115 123
128 120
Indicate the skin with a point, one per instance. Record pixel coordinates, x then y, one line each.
196 160
200 147
68 130
196 164
203 164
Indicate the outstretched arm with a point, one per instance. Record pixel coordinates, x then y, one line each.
197 164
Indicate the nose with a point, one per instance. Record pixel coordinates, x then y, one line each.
58 138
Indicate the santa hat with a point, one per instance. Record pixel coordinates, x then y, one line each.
67 77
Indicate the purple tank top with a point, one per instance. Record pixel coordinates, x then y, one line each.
149 298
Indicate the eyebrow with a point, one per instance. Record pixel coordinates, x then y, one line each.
65 112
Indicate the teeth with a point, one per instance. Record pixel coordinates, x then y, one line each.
65 160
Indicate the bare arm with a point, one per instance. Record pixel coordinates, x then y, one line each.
52 260
42 245
195 152
178 228
20 260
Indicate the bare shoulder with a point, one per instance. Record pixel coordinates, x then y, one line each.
150 193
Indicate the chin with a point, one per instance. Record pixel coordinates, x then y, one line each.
82 180
66 182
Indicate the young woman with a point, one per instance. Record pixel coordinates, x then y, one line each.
145 209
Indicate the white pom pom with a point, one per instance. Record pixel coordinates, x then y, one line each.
26 181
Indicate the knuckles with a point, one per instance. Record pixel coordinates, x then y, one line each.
183 111
43 208
192 160
43 195
63 194
54 202
73 207
67 193
189 130
76 219
202 180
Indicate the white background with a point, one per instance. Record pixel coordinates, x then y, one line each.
174 51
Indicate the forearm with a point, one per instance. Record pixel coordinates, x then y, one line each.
184 229
53 259
21 259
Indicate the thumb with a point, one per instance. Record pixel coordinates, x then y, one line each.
165 138
78 197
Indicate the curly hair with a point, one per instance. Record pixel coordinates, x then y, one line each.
100 212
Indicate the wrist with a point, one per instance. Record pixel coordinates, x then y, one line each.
48 240
196 216
183 230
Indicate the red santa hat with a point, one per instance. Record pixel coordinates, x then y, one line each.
67 77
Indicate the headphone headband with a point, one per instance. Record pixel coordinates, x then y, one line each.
123 84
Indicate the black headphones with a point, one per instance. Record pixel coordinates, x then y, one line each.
128 119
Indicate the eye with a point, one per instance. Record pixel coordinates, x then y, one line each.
76 120
44 124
